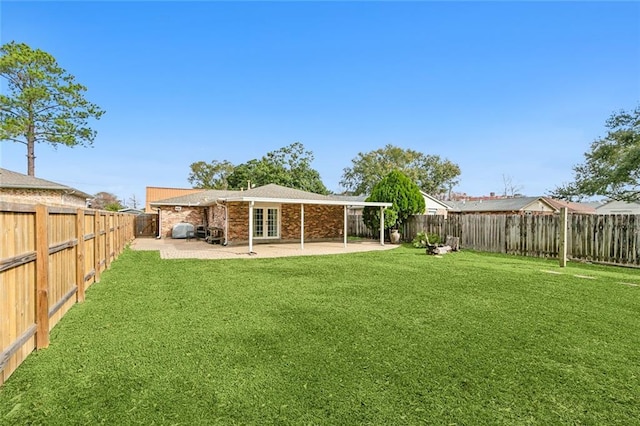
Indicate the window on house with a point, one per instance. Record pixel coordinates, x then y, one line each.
266 222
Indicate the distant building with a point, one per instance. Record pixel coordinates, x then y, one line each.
156 193
618 207
433 206
518 205
579 208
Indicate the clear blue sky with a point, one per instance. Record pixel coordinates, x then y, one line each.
500 88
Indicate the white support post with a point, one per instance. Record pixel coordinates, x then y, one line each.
250 227
301 226
381 226
345 227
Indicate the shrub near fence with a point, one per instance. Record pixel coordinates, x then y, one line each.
48 257
613 239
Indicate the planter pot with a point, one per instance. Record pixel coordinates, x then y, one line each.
394 236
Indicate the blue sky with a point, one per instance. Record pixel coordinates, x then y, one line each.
500 88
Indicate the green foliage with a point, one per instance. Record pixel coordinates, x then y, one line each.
43 103
210 175
431 173
612 166
289 166
398 189
113 207
421 238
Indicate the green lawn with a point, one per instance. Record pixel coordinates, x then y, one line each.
393 337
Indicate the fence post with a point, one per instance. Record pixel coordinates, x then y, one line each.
96 244
42 276
562 248
80 255
107 240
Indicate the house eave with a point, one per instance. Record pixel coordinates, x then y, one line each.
305 201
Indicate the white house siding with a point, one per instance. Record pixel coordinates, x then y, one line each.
618 207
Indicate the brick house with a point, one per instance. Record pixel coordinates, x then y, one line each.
18 188
277 213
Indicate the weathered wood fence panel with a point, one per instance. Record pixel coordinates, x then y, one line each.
48 256
357 228
613 239
605 238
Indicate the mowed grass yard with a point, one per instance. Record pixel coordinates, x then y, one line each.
393 337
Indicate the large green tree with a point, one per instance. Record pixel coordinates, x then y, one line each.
398 189
612 166
42 102
431 173
288 166
210 175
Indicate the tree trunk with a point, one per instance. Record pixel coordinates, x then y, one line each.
31 157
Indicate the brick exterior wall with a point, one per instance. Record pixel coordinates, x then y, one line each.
238 222
170 217
41 196
216 216
320 222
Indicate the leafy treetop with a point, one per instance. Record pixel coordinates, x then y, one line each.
288 166
43 103
431 173
612 166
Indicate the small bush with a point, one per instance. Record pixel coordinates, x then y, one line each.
420 241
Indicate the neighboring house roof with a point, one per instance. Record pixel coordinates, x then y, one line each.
270 193
571 207
618 207
15 180
502 205
131 210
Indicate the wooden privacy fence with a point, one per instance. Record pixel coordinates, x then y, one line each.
49 256
613 239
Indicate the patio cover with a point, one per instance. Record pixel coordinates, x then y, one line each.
279 194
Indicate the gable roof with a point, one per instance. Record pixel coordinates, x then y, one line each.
502 205
281 194
270 193
11 179
272 190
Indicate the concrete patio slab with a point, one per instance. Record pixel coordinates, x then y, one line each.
196 249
